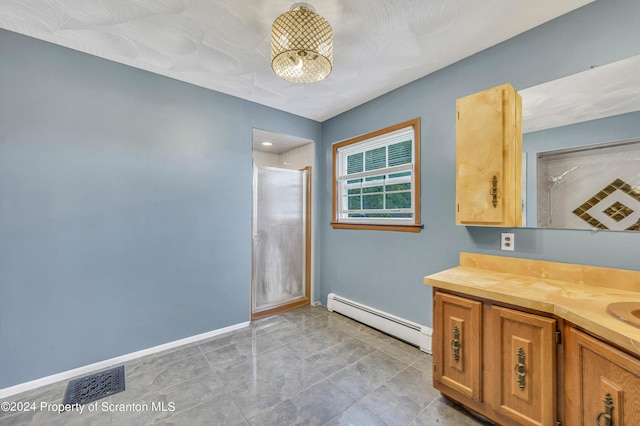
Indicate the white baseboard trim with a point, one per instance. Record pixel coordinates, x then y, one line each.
409 331
316 303
87 369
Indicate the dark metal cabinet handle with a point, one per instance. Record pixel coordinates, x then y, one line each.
607 413
494 191
520 369
455 343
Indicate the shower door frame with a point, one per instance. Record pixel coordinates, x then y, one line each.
306 299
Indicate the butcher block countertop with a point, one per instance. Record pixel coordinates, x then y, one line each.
579 294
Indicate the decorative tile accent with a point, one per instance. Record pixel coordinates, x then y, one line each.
616 211
634 227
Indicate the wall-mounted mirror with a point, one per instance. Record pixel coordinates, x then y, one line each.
581 136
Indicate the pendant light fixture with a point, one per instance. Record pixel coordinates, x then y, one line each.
301 45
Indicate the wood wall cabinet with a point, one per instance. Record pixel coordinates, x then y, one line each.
495 360
602 383
489 158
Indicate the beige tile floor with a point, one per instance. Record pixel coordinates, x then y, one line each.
304 367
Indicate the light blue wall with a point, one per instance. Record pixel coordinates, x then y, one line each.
121 227
125 203
385 269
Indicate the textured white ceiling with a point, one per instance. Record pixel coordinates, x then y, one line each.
600 92
224 45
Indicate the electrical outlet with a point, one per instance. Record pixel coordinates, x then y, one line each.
507 241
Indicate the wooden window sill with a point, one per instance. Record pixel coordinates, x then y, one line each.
374 227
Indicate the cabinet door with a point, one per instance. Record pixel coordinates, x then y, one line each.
600 382
522 361
457 345
489 158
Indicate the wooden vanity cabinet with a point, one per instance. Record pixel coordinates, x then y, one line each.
489 158
602 383
579 365
495 360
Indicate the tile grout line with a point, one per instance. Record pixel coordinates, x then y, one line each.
224 385
253 357
323 324
323 378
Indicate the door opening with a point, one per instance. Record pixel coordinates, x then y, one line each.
281 233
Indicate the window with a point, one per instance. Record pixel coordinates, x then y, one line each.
376 180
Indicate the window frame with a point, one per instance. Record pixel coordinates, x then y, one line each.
411 225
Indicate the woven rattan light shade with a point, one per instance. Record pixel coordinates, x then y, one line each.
301 46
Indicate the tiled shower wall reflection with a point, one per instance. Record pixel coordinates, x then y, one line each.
294 159
593 187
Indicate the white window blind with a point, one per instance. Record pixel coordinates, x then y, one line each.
375 179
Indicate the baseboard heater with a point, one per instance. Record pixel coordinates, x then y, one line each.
411 332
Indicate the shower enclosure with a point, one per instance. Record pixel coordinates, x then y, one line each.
280 278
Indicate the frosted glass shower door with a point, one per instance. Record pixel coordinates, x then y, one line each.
279 239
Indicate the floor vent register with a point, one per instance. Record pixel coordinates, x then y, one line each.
95 386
